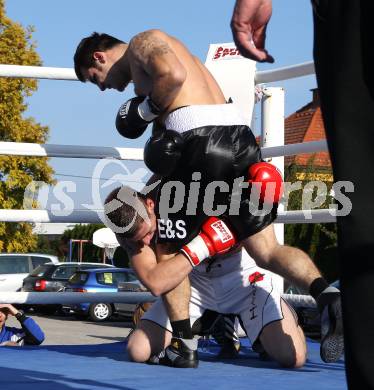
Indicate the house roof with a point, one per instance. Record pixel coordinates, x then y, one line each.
305 125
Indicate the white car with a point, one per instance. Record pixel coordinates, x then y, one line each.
14 267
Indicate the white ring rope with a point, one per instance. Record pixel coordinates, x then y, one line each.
293 149
44 298
92 216
98 152
300 300
39 216
42 72
74 297
286 73
38 72
69 151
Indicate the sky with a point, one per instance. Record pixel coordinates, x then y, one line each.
79 114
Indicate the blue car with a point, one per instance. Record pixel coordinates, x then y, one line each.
101 280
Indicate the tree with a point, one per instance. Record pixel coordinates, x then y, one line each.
16 173
318 240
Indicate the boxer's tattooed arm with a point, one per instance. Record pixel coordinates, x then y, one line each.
146 46
163 71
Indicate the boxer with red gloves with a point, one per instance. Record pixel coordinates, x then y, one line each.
215 238
268 181
228 288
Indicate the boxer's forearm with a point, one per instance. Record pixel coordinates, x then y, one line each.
162 277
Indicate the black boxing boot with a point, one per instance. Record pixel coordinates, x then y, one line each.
332 341
226 337
181 353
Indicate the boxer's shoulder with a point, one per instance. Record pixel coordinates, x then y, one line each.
149 43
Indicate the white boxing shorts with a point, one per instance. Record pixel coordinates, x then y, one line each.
231 285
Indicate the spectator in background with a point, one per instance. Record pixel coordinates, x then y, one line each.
29 334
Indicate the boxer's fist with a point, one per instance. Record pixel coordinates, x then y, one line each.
163 151
260 175
214 238
134 116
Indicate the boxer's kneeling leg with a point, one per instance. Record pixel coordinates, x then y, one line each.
147 339
284 340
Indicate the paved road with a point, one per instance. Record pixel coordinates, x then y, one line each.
66 330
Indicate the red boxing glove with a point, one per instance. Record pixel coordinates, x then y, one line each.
214 238
262 173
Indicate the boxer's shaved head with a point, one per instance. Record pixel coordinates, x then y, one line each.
125 210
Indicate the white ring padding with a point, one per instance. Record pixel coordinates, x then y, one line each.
91 216
74 297
288 72
37 298
52 73
294 149
307 216
98 152
70 151
38 216
300 300
38 72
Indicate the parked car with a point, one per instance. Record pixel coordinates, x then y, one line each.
14 267
53 277
103 280
309 317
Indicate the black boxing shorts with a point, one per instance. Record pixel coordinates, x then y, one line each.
218 149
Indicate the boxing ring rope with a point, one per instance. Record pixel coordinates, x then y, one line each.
38 298
48 298
98 152
52 73
70 151
38 72
285 73
91 216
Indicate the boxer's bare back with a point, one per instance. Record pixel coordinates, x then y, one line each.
153 52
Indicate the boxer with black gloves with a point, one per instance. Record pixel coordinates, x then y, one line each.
218 146
135 115
162 152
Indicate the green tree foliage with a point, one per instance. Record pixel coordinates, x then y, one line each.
51 247
318 240
16 173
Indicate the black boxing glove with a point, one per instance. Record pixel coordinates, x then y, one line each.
163 151
134 116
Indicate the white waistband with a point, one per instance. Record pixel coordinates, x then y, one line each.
192 117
